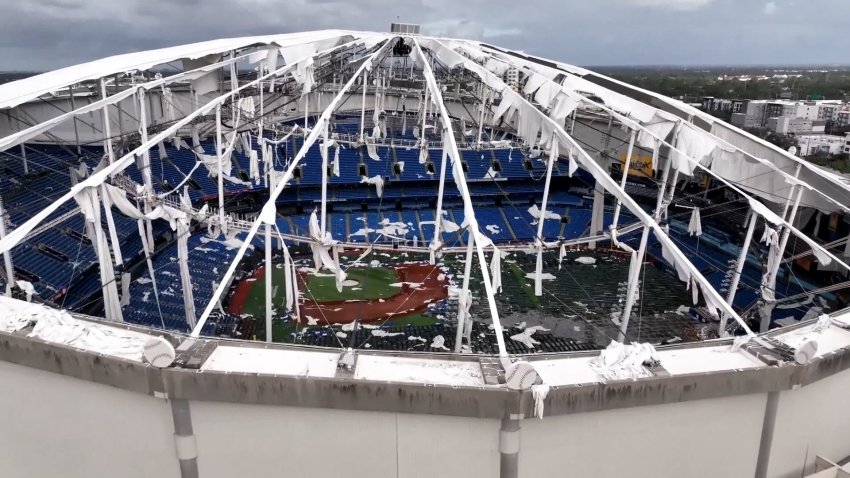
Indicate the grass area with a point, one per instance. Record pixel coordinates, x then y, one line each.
373 283
527 288
413 319
255 304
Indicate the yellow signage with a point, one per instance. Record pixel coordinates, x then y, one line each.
640 166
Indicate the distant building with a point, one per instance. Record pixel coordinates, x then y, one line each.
789 125
512 78
821 144
847 143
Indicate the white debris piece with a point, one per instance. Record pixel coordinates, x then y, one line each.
539 392
493 229
586 260
525 336
384 333
544 276
624 362
535 213
439 343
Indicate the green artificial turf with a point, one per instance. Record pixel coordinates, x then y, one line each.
373 283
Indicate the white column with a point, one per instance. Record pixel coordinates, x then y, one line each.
462 316
146 163
424 116
739 268
269 268
363 107
538 280
438 222
662 191
219 146
306 109
24 156
107 128
626 167
634 278
324 153
597 213
7 256
481 118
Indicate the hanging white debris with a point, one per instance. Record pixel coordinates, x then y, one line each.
695 224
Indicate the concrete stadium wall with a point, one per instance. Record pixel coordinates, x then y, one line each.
56 425
53 425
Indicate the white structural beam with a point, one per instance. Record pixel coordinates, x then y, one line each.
21 232
7 255
634 278
625 168
739 268
269 212
460 180
437 240
538 280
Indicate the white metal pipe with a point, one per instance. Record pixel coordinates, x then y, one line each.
634 279
107 128
218 151
147 179
739 268
324 206
363 107
462 316
626 166
538 280
269 276
438 222
7 255
24 156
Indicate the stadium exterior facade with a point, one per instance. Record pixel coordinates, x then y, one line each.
769 405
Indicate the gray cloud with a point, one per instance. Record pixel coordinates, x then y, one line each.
53 33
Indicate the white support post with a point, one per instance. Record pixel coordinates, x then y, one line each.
7 255
363 107
24 156
597 213
324 154
438 222
76 130
780 252
219 146
481 107
573 122
424 115
306 110
739 268
147 179
269 276
634 279
107 128
626 166
659 202
462 316
538 280
234 80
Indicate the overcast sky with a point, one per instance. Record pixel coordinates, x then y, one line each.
46 34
